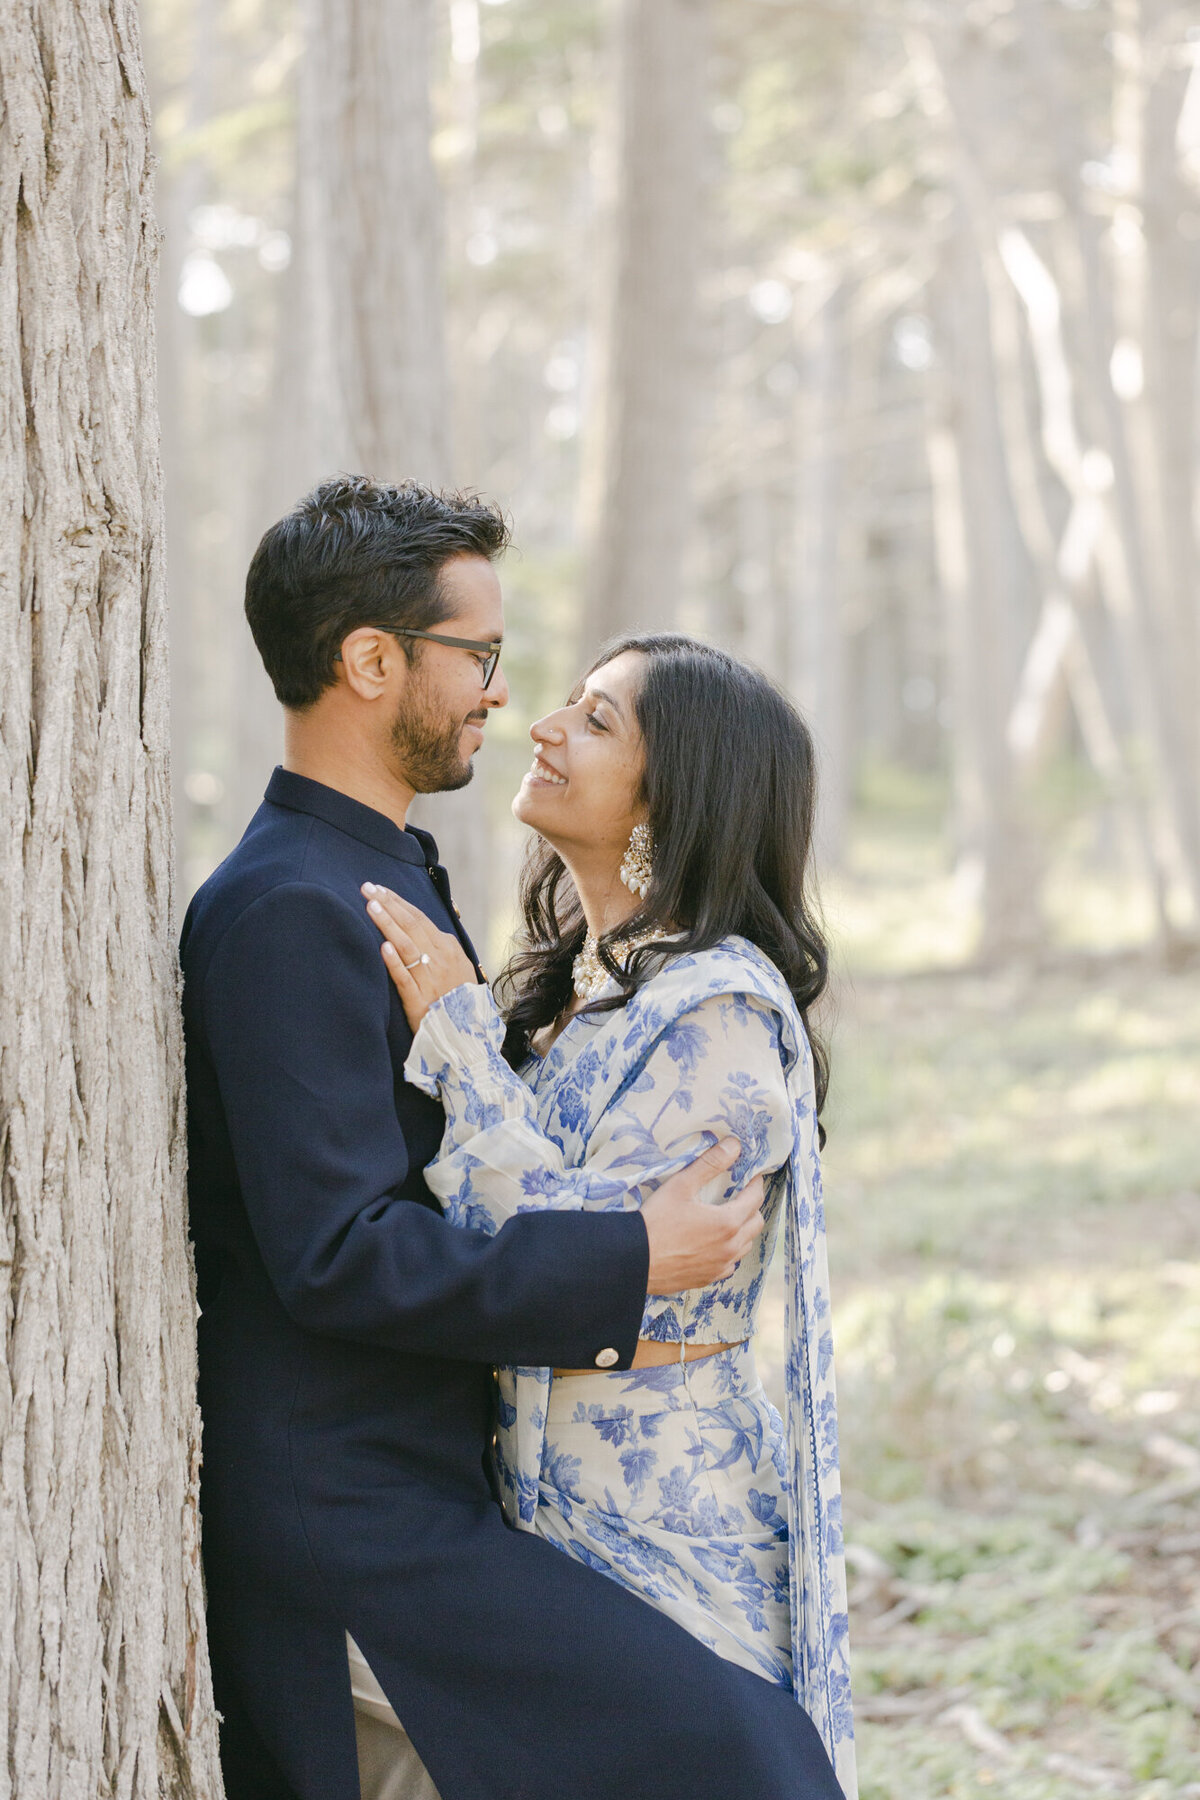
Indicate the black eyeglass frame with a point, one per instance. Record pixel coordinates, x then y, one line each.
489 650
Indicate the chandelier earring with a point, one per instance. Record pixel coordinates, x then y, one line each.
637 864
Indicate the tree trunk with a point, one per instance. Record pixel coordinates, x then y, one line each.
1115 485
986 581
105 1674
640 521
1057 666
372 239
1154 272
369 272
1131 573
817 643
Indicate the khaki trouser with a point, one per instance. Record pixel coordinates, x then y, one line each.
388 1766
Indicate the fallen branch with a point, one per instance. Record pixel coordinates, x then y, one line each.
978 1733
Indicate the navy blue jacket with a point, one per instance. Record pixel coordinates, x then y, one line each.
347 1336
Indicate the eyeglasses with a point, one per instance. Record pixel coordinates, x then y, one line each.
487 655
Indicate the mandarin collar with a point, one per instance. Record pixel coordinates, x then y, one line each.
300 794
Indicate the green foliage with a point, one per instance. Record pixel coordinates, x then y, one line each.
1014 1222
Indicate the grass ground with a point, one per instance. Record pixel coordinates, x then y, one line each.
1013 1178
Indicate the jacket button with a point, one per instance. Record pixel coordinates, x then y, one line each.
606 1358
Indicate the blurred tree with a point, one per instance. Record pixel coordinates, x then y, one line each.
180 190
982 575
1086 298
369 241
225 133
642 514
734 257
371 351
816 637
104 1666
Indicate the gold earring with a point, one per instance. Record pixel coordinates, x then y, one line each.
636 865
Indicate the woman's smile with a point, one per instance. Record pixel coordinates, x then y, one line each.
581 791
542 775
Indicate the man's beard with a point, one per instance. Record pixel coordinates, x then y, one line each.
428 751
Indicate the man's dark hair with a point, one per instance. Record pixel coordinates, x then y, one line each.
357 552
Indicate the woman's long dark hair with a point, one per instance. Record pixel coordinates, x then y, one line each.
729 787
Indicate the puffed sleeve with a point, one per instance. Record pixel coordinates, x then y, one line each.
294 1008
715 1070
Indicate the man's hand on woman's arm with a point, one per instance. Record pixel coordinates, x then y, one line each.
692 1243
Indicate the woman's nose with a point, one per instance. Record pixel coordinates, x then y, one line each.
548 730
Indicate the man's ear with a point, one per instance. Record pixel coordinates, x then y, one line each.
370 660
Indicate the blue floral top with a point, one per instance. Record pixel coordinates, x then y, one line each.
712 1044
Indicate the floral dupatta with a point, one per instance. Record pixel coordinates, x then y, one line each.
571 1090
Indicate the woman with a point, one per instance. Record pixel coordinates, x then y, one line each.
670 963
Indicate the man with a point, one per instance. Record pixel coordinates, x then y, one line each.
347 1331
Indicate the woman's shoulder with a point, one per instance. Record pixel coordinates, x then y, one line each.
734 978
736 968
735 965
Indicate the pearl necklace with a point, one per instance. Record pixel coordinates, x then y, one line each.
589 974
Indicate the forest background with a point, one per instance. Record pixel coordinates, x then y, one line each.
861 339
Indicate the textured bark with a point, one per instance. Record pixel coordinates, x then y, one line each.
641 517
103 1669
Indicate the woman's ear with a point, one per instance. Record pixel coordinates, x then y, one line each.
369 662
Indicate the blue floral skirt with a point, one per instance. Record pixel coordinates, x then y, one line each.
670 1480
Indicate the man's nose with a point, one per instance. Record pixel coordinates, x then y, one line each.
496 692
